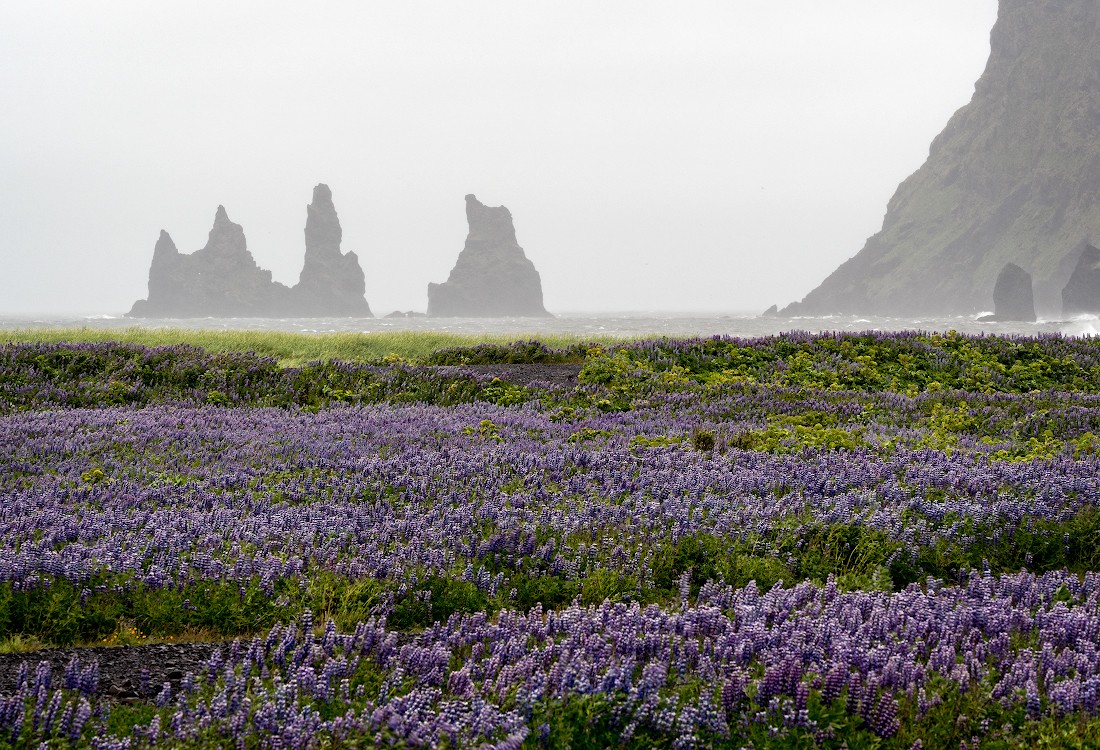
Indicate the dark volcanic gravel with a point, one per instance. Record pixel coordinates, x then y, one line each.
120 667
559 375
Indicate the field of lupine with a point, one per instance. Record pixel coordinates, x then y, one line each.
862 541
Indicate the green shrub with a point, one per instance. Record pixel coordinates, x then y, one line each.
436 599
703 440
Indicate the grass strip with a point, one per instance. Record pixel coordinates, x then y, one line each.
294 349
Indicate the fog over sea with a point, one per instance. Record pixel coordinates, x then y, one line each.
625 324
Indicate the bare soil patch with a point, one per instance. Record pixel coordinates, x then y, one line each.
555 375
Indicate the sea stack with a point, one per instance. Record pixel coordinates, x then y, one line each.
1013 178
331 283
220 280
492 277
223 280
1081 295
1013 297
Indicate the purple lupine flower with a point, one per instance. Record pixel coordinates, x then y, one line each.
884 720
80 718
72 674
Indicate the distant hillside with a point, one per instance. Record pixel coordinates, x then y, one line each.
1013 178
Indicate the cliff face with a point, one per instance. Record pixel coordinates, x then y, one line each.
1013 178
223 280
492 277
1081 295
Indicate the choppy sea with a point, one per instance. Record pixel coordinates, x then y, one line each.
626 324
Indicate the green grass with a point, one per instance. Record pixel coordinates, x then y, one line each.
292 349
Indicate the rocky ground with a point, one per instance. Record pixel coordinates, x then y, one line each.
559 375
126 673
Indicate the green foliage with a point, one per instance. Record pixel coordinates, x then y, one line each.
610 585
486 430
584 723
704 557
942 428
784 437
62 613
703 440
93 476
516 352
117 374
587 434
217 398
436 599
912 363
565 414
549 590
860 557
856 555
655 441
1086 445
504 394
1043 448
601 368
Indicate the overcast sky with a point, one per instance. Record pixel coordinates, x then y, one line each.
719 155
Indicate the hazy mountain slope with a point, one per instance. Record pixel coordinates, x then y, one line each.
1014 177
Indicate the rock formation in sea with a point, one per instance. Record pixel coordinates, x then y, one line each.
1081 295
220 280
1013 178
332 283
223 280
492 277
1013 296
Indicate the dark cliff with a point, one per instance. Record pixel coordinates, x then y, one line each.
492 277
1081 295
1013 178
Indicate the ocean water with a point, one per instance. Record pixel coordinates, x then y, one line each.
625 324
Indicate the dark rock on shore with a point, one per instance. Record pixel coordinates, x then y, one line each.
1081 295
1013 178
492 277
223 280
1013 298
406 314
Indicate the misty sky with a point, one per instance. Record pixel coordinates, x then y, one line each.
719 155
